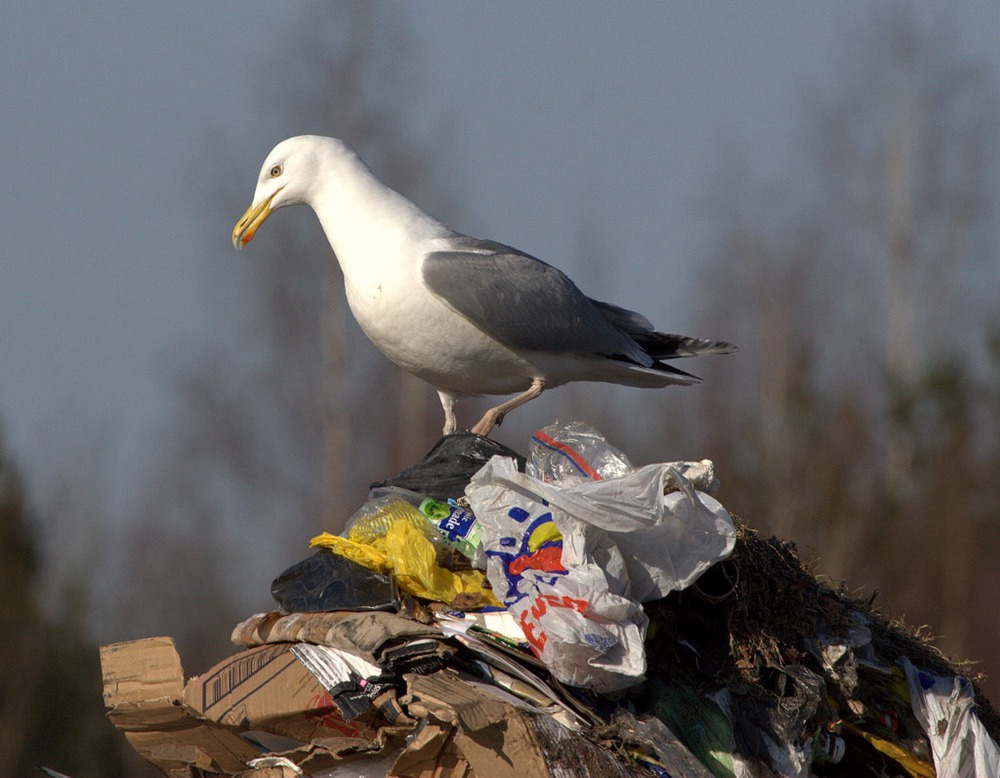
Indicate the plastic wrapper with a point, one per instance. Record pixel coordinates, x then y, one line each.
573 564
945 708
576 452
458 527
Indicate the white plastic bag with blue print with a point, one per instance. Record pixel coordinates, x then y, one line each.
572 563
946 708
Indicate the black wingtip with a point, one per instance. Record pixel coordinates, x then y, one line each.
661 345
689 378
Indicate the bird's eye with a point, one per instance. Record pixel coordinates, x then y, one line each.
275 171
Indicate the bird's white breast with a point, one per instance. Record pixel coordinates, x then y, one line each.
422 334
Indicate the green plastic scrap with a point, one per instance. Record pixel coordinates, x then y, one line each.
700 724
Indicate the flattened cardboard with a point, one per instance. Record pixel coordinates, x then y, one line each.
362 634
143 685
471 732
268 688
493 737
432 754
261 691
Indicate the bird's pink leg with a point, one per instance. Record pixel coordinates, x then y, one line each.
494 416
450 420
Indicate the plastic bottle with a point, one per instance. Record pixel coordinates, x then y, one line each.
373 519
457 525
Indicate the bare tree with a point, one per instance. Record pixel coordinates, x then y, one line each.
903 157
858 295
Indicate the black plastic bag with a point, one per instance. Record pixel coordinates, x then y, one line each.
448 467
329 582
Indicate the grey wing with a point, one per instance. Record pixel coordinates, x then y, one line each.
629 321
523 302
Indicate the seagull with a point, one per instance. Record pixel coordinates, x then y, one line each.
468 316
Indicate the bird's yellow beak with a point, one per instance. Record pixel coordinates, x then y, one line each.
255 216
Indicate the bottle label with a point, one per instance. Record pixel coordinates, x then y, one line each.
458 524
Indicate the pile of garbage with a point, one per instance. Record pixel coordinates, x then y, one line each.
486 615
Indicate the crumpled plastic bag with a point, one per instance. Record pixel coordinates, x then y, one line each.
406 552
446 469
363 553
572 563
945 708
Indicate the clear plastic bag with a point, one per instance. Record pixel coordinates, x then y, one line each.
383 508
574 452
443 522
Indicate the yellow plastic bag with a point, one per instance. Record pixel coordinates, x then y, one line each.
414 561
366 555
406 552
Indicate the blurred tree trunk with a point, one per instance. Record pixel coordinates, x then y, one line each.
900 267
338 433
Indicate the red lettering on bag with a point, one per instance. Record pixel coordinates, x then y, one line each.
537 642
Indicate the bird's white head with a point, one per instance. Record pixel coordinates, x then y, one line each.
287 177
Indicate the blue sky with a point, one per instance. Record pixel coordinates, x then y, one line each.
562 114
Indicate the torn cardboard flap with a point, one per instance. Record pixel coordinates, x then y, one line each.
470 732
432 753
488 731
143 686
449 699
328 754
141 670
